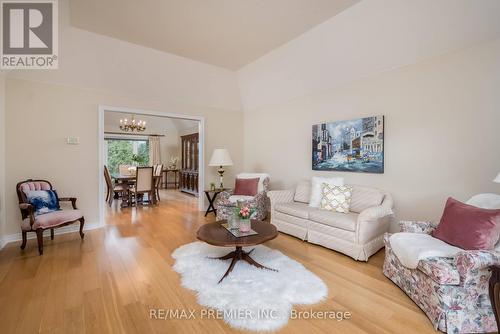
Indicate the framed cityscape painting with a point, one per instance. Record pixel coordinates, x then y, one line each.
349 146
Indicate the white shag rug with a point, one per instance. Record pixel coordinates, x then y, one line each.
249 298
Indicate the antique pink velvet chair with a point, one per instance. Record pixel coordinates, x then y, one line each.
47 221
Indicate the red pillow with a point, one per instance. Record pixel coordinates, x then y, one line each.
247 187
468 227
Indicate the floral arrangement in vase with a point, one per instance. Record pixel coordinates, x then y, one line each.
244 213
172 163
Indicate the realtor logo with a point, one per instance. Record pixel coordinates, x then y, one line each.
29 34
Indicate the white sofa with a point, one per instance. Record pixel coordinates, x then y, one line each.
358 234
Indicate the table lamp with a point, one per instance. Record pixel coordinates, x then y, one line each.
221 158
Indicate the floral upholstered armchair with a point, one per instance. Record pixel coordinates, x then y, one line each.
35 221
226 202
452 292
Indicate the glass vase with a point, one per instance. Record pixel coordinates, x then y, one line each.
245 225
232 221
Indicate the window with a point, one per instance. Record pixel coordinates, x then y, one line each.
126 152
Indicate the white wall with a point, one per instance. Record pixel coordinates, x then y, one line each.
104 64
40 116
441 136
366 39
432 67
2 158
45 106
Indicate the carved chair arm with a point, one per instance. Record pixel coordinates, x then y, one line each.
69 199
31 211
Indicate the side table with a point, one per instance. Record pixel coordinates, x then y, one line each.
211 196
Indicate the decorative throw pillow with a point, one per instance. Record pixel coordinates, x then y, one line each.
44 201
336 198
468 227
247 187
316 193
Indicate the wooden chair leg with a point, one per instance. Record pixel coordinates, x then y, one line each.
23 245
51 234
82 222
110 197
39 236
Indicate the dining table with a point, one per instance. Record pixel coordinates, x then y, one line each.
130 179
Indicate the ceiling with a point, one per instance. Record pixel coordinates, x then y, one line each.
225 33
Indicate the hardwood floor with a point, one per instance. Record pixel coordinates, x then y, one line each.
109 282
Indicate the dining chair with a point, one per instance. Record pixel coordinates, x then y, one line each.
124 169
144 184
117 189
157 181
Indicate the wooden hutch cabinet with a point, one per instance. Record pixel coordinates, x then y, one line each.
189 164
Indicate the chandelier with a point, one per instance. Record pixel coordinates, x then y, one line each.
132 125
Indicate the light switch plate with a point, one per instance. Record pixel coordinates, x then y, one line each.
73 140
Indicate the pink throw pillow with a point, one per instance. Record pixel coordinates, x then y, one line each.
468 227
246 187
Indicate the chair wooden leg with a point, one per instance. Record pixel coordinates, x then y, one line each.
110 197
51 234
82 222
23 245
39 236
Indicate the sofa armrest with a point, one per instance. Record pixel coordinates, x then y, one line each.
69 199
411 226
474 265
280 196
374 221
375 213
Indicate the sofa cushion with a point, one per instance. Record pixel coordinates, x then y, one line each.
295 209
344 221
303 192
365 197
441 270
291 219
327 232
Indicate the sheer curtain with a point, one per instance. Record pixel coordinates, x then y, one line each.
154 150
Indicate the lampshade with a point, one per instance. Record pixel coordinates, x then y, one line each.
220 157
497 179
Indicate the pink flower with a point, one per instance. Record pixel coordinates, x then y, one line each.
245 212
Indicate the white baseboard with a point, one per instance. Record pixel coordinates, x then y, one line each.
63 230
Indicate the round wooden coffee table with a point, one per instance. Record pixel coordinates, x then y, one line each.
217 235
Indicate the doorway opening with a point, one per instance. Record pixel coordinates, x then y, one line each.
172 142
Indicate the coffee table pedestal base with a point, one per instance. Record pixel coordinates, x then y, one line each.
237 255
